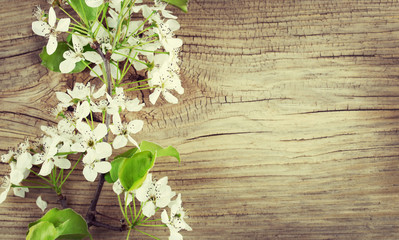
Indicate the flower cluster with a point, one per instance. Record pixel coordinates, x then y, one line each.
148 44
108 40
153 196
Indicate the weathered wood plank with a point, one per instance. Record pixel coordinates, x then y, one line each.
287 129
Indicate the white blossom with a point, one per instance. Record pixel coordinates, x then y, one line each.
154 194
20 191
97 3
51 30
93 166
41 203
77 55
117 187
164 80
6 184
91 140
123 131
48 159
176 220
80 92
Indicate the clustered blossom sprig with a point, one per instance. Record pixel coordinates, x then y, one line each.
108 42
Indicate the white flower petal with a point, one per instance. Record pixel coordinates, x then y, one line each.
134 105
141 193
47 167
24 161
94 3
174 235
89 173
167 14
165 217
173 25
103 150
63 25
67 66
63 97
51 17
172 43
119 142
100 131
102 167
84 129
51 44
96 71
38 158
16 177
169 97
20 191
101 92
3 196
62 163
149 209
82 110
155 95
41 203
117 187
93 57
135 126
78 147
41 28
128 198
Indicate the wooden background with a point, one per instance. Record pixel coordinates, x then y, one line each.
288 128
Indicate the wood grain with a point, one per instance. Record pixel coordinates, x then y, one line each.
288 128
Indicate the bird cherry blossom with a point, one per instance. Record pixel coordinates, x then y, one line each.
154 194
123 131
51 30
176 220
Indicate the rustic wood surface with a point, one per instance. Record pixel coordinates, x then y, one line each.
288 128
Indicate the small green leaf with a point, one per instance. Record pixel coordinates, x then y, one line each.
169 151
53 61
67 223
161 152
182 4
85 12
42 231
112 175
149 146
129 153
134 170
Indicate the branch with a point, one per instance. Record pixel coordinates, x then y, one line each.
107 226
91 212
63 201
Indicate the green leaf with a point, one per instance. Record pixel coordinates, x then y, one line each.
161 152
182 4
53 61
134 170
169 151
149 146
67 223
42 231
129 153
112 175
85 12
